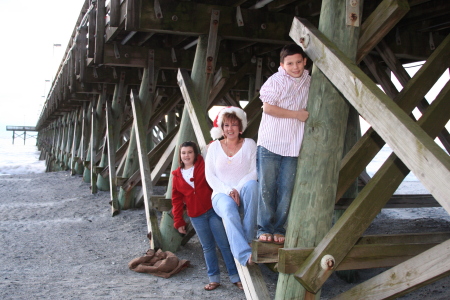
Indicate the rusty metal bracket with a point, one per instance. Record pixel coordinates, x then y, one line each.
173 54
431 41
239 19
114 72
157 8
116 50
233 59
258 78
352 12
212 41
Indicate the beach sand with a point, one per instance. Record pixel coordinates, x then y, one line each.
59 241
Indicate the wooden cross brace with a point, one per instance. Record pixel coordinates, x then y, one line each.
410 143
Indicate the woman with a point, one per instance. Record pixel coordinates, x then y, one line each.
189 187
231 173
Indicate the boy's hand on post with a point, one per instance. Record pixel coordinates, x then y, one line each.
182 230
302 115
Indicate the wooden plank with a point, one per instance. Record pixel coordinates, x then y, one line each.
187 23
254 286
93 147
372 251
403 77
263 253
366 148
99 32
379 24
371 199
154 156
416 149
231 82
111 161
311 203
114 13
398 201
421 270
164 161
150 213
194 108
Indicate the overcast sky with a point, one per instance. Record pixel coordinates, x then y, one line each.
28 31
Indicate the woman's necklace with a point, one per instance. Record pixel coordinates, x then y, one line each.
229 152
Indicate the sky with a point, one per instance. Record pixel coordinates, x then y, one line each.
28 31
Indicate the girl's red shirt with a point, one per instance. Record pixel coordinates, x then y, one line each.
197 200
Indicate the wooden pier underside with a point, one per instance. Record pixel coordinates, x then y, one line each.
138 78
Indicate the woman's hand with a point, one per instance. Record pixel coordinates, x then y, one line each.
235 195
182 230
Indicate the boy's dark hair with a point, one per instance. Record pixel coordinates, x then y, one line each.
188 144
291 49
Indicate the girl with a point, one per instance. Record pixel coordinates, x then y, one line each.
189 187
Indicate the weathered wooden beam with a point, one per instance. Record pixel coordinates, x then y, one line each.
259 25
254 286
231 82
144 166
154 156
379 23
325 132
416 149
99 32
397 201
194 108
370 144
111 161
373 197
387 251
403 77
410 275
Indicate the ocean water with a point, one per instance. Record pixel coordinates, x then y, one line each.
19 158
24 159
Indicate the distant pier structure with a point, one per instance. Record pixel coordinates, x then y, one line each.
21 131
139 77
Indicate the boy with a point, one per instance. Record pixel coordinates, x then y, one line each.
284 96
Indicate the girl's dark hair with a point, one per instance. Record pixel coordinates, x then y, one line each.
291 49
232 117
188 144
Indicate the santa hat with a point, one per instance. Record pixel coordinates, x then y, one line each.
216 131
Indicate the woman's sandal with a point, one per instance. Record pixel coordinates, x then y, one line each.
239 285
278 239
265 238
212 286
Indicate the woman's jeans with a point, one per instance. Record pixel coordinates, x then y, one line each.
210 230
276 177
240 232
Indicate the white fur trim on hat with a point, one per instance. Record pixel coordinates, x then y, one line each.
216 131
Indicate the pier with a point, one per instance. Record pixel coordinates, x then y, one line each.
139 77
22 129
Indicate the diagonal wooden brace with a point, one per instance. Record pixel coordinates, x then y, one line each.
411 144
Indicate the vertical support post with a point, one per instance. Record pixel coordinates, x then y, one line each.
111 161
201 80
146 96
93 148
150 212
312 206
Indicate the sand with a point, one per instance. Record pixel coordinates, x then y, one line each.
59 241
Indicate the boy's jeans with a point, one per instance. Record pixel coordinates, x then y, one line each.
210 230
239 232
276 177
